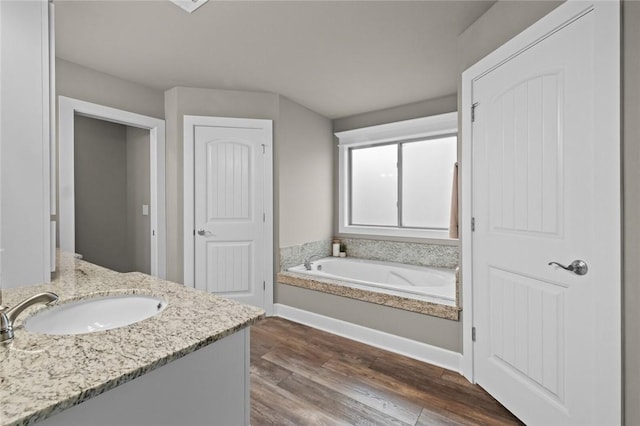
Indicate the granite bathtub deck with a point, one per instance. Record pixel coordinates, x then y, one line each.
325 285
41 375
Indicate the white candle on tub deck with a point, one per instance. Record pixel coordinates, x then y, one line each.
336 249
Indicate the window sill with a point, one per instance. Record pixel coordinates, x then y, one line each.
384 232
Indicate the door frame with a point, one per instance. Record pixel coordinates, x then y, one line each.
607 111
67 110
189 123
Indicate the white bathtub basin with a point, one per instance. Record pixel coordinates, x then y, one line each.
97 314
436 285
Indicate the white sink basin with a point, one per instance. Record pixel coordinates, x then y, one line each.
97 314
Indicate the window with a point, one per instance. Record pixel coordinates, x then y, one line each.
395 179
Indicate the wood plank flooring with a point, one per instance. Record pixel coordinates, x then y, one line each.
304 376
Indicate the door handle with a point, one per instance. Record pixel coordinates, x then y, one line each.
204 233
578 267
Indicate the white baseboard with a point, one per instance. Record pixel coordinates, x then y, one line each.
421 351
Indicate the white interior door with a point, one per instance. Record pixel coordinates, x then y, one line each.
546 189
231 200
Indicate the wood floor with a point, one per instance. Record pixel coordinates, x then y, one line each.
303 376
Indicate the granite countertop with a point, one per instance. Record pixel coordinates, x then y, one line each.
327 285
41 375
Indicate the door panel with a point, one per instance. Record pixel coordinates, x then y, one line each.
232 272
534 174
228 174
525 175
526 330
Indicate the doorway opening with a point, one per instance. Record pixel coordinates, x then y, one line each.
111 187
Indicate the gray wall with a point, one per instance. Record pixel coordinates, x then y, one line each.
305 175
78 82
422 328
138 193
499 24
404 112
631 209
100 166
111 164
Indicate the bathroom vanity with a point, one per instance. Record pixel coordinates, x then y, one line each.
188 364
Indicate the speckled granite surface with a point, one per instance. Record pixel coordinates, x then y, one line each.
419 254
335 287
295 255
437 256
41 375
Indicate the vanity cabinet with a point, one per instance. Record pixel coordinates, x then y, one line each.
25 136
207 387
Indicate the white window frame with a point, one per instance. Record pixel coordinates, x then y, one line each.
426 127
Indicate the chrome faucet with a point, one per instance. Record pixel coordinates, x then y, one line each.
8 315
307 261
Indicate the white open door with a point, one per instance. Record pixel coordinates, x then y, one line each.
228 170
545 179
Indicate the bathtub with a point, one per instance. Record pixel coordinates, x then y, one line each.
436 285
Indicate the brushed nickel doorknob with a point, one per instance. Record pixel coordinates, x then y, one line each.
578 267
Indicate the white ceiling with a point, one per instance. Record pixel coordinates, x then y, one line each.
338 58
